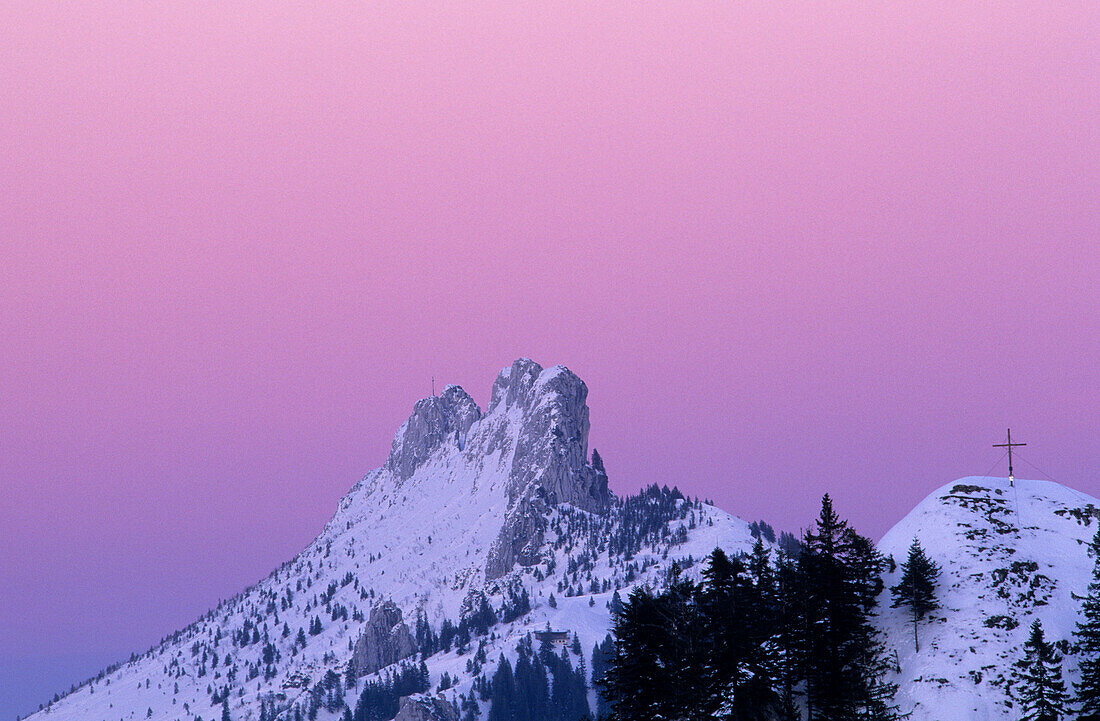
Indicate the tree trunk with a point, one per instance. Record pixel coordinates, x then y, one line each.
916 641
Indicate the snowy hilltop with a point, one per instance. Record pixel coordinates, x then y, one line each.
482 527
1010 554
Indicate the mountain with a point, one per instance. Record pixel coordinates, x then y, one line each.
485 527
1010 553
481 527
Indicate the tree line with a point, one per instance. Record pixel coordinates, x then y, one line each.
759 638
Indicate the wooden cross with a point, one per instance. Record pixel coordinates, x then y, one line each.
1009 445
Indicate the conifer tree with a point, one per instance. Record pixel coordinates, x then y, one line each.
788 628
1042 692
917 588
504 699
471 711
839 579
737 678
616 603
1087 689
602 654
225 710
658 656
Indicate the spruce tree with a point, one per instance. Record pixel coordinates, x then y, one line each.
225 710
788 631
658 657
1087 689
602 655
737 679
839 578
504 701
917 588
1042 692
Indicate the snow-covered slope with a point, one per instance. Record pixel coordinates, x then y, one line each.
1009 554
504 509
470 505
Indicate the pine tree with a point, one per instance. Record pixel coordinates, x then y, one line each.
788 628
917 588
597 462
659 657
839 579
504 699
1087 689
1042 692
225 710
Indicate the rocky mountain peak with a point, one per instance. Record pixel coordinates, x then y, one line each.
550 460
514 383
435 420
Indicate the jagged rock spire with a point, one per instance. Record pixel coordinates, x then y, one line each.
537 425
435 420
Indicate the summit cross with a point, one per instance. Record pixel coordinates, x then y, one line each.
1009 445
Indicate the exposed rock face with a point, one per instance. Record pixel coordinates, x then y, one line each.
536 429
385 639
426 708
520 540
435 421
550 458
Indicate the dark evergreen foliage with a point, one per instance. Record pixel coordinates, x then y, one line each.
643 517
757 639
480 619
1087 635
516 605
602 654
379 699
1040 688
838 581
762 529
917 588
694 651
541 687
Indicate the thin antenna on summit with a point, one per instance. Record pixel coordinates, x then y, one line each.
433 386
1009 445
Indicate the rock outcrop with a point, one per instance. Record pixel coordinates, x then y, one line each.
385 639
435 421
426 708
534 434
550 458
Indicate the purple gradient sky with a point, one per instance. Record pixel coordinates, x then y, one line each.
791 247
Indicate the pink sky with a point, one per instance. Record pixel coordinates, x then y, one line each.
791 247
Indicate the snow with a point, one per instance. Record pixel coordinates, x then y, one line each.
1009 554
422 543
